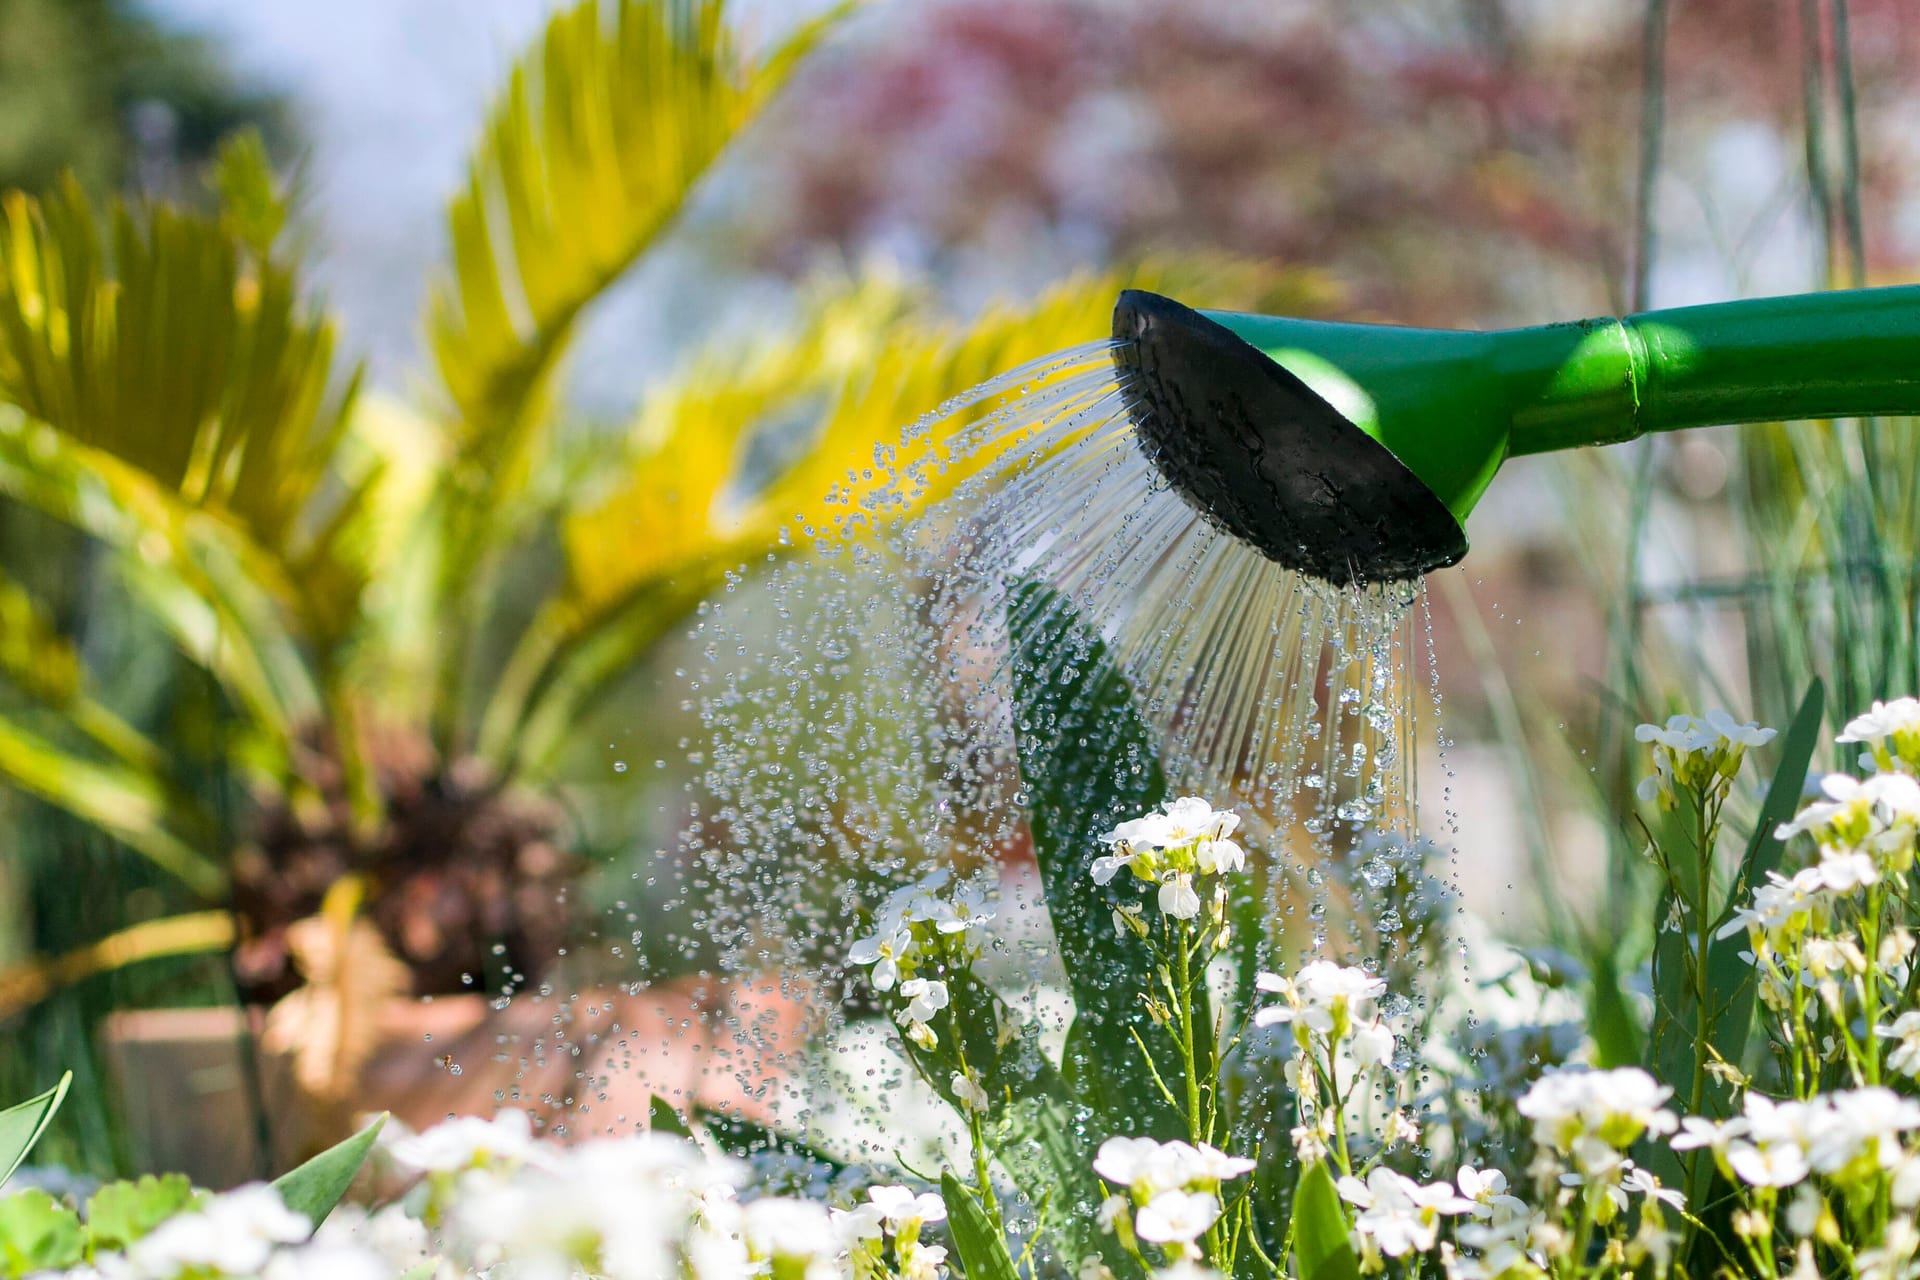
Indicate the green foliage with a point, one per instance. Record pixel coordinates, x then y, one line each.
122 1212
982 1249
71 75
38 1233
22 1124
316 1186
1321 1248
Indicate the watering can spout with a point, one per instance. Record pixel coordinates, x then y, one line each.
1354 453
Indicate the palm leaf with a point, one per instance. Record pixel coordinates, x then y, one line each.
171 342
604 129
606 126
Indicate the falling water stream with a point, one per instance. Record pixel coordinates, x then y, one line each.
857 727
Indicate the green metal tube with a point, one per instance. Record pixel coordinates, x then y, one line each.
1454 405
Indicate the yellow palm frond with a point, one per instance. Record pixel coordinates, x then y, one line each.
605 128
170 341
861 368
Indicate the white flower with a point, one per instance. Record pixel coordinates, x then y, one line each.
232 1234
1681 734
967 1091
1905 1057
1885 720
327 1262
1615 1107
1138 1163
1326 997
1219 856
1398 1214
899 1206
1148 832
1845 872
1185 1268
1372 1043
783 1228
1176 1217
925 997
1177 897
1147 1167
858 1225
890 942
922 1261
1780 908
1696 1131
1737 733
1638 1180
468 1142
1107 866
1210 1165
1779 1165
1877 802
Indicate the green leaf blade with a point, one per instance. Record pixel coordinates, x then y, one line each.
982 1250
1322 1248
22 1124
1089 762
315 1187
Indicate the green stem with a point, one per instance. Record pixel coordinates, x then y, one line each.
1870 985
1196 1127
976 1132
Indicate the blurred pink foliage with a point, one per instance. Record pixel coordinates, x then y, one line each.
1423 153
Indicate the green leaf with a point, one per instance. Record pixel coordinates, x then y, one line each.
316 1186
122 1212
1089 762
1616 1033
37 1233
22 1124
982 1250
1730 978
1322 1249
665 1119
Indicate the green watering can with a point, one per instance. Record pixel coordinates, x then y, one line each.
1355 452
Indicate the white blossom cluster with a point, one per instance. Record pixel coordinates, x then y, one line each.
914 926
493 1201
248 1232
1177 849
1169 1191
1697 752
1333 1011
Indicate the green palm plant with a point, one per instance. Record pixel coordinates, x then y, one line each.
310 580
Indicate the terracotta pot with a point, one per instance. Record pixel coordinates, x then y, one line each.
583 1065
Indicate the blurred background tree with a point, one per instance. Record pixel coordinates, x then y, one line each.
104 91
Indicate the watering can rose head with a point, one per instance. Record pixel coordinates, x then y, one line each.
1353 453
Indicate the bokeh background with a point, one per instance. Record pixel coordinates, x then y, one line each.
343 595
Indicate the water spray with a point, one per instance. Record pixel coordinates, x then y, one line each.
1355 452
